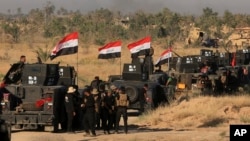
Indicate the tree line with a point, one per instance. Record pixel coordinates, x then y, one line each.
104 25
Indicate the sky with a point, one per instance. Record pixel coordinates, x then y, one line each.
130 6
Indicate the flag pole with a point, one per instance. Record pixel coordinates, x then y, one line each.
120 66
77 68
168 65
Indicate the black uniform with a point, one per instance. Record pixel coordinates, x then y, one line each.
70 110
108 113
97 98
122 102
96 83
59 109
113 119
89 115
78 111
142 99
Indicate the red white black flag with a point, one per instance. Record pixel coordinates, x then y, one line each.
164 57
68 45
140 47
110 50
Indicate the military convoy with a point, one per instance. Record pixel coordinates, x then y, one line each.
189 69
29 95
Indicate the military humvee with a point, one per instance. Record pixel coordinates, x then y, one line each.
133 78
30 91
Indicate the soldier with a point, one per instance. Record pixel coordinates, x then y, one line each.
59 109
224 80
97 98
77 105
115 90
22 59
16 74
115 93
108 104
95 83
70 110
171 84
90 107
122 103
159 70
143 97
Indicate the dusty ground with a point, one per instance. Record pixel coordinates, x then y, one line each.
198 119
135 134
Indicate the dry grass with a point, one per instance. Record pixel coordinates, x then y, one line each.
245 118
201 112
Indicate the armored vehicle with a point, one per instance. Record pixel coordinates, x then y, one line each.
30 92
134 76
190 69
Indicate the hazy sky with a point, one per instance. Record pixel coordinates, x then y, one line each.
129 6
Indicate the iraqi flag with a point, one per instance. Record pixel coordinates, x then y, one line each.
164 57
110 50
140 47
68 45
233 62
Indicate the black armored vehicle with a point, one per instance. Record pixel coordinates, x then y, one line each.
29 92
135 76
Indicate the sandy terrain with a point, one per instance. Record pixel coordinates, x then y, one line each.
199 119
135 134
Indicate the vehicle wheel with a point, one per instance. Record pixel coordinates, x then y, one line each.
5 132
9 132
132 93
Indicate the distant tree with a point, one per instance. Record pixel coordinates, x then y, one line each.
162 32
36 16
43 53
229 19
54 28
62 11
13 30
49 10
9 11
208 19
19 11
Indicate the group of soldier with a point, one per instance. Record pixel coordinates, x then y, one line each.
94 108
228 81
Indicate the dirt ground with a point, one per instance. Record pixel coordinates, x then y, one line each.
136 133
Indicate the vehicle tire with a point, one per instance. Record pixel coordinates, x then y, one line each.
5 132
132 93
9 132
